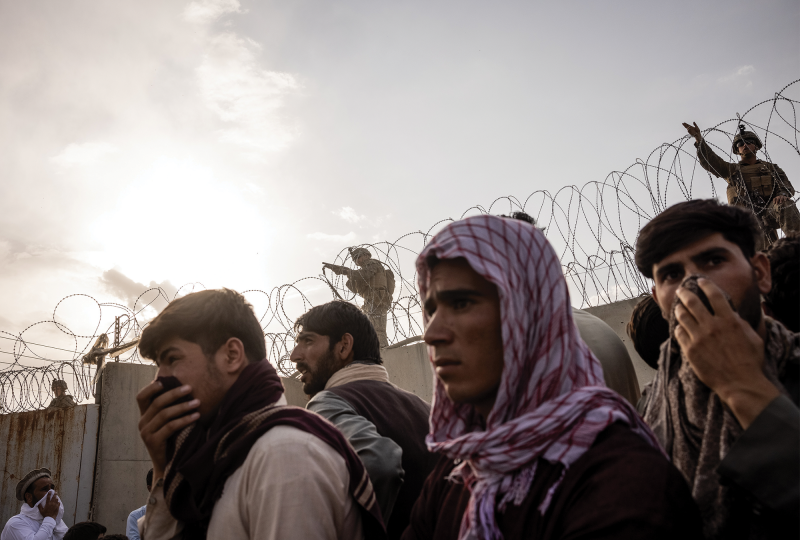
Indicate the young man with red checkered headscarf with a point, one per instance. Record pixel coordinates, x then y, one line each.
532 443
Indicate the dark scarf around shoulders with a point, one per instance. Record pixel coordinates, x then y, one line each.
201 458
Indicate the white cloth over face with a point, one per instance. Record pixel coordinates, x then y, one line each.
29 524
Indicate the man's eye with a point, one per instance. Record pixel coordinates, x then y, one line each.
714 261
461 304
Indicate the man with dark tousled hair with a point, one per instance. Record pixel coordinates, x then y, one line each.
86 530
230 459
724 401
338 353
41 512
782 302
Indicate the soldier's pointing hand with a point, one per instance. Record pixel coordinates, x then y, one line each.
694 131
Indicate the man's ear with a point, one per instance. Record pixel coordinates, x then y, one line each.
763 271
232 355
344 349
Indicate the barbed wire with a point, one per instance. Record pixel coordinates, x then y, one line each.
592 227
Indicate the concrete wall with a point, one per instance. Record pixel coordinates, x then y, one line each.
616 316
62 440
122 459
410 369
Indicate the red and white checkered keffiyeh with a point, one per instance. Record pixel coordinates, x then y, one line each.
552 401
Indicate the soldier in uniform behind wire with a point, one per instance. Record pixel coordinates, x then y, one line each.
754 184
62 400
372 282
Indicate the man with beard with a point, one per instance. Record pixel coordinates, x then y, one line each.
41 512
531 443
230 459
724 399
337 350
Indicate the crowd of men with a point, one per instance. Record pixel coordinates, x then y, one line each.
523 438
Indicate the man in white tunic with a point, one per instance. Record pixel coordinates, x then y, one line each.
41 512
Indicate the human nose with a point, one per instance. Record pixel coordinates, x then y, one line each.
438 330
295 356
164 371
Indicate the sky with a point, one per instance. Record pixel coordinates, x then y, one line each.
240 144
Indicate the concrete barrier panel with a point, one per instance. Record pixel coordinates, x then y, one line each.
410 369
122 459
616 316
64 441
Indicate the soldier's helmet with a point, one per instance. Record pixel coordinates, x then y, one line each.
355 253
749 136
59 384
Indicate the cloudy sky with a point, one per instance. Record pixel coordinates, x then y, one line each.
238 143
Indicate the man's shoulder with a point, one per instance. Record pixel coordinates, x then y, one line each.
288 442
136 514
618 452
18 522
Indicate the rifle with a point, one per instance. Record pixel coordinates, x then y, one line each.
330 285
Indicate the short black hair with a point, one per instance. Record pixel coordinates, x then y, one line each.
115 537
150 477
337 318
85 530
648 330
685 223
209 319
784 297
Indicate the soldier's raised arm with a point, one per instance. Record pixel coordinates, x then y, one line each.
708 159
337 269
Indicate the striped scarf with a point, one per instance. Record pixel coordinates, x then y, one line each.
552 401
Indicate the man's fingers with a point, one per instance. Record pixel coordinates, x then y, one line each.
693 305
175 425
145 395
161 402
166 414
716 298
685 319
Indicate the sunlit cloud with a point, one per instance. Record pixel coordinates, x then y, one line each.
349 237
245 97
82 154
206 11
349 215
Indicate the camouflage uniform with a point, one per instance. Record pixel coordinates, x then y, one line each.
370 283
61 402
754 187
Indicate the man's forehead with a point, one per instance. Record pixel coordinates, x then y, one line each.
306 334
715 240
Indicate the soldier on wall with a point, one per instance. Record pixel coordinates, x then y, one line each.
754 184
62 399
372 282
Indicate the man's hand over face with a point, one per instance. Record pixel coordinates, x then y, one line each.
724 351
160 419
51 506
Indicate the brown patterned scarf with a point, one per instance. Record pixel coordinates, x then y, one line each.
697 430
201 458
